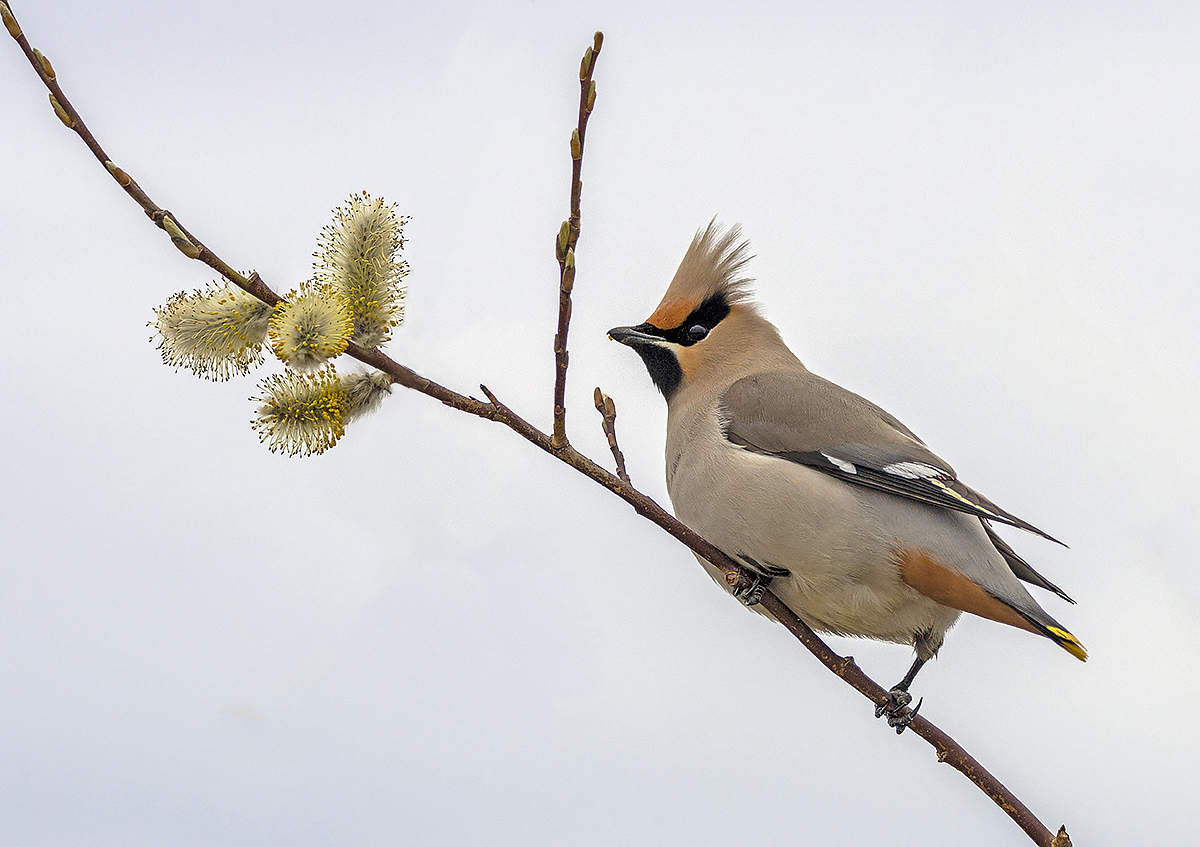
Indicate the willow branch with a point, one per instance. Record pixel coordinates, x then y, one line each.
947 749
568 236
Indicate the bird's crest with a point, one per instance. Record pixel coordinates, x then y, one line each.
712 265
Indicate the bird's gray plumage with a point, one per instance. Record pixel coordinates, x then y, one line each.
801 417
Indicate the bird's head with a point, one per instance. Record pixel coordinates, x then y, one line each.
706 327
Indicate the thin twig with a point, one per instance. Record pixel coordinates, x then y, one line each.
608 416
947 749
187 243
568 236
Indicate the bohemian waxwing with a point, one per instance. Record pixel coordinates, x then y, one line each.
848 517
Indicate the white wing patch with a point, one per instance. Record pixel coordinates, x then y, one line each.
915 470
842 464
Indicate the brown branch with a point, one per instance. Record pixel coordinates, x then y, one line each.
608 415
947 749
568 236
187 243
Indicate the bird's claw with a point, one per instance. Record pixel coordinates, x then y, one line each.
752 594
902 721
899 716
896 700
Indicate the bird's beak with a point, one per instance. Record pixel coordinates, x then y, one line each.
632 336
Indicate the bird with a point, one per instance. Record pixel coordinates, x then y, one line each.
825 498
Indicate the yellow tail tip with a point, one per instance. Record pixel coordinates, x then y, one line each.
1068 642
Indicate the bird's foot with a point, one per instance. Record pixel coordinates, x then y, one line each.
899 716
751 593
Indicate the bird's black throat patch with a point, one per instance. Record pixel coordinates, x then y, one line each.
661 363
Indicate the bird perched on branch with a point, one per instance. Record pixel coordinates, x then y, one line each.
823 496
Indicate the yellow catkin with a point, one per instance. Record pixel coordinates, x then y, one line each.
313 327
301 414
357 257
215 333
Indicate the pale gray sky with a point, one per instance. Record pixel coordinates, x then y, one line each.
981 216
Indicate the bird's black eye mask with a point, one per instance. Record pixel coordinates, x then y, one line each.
696 326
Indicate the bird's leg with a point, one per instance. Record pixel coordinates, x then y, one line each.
750 585
750 593
896 706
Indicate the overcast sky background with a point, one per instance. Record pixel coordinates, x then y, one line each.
982 216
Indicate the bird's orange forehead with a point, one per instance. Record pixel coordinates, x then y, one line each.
670 313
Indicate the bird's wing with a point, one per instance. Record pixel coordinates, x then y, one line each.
1021 569
803 418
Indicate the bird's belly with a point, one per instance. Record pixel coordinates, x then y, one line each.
829 536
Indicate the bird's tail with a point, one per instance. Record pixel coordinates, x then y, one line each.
1053 630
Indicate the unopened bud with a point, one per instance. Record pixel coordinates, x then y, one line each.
576 147
597 41
172 228
585 67
62 113
46 66
591 97
10 23
185 245
568 273
598 399
123 179
564 235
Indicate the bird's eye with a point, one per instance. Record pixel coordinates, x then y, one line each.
697 332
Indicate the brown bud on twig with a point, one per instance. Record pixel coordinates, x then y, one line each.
1061 839
67 120
46 66
591 98
10 23
568 274
179 239
585 67
576 146
123 179
560 244
597 41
